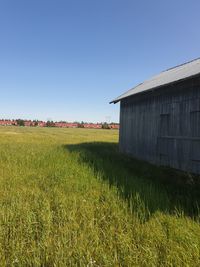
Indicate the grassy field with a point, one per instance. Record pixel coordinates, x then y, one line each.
68 198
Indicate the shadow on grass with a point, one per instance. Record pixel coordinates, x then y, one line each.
158 188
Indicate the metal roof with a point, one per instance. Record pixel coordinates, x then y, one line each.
180 72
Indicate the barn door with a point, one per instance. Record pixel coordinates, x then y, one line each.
165 140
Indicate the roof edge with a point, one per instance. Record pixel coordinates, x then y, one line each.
163 79
153 88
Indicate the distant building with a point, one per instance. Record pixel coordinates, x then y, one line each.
72 125
7 122
160 118
92 125
41 124
28 123
114 126
61 124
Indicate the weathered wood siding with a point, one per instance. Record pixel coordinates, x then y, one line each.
163 126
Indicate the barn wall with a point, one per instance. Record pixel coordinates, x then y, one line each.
163 126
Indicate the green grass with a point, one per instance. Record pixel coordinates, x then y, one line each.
68 198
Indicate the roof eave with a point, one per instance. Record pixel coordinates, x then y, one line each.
114 101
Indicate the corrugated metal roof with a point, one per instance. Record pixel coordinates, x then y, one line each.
169 76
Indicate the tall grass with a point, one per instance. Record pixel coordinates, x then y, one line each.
68 198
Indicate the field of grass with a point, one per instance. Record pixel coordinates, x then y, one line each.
68 198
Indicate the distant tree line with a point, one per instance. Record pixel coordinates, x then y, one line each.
20 122
105 125
50 123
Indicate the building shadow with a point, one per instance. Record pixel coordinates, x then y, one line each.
146 187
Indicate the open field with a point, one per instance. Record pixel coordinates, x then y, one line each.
68 198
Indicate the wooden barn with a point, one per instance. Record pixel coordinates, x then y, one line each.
160 118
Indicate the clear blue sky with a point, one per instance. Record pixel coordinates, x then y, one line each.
66 59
